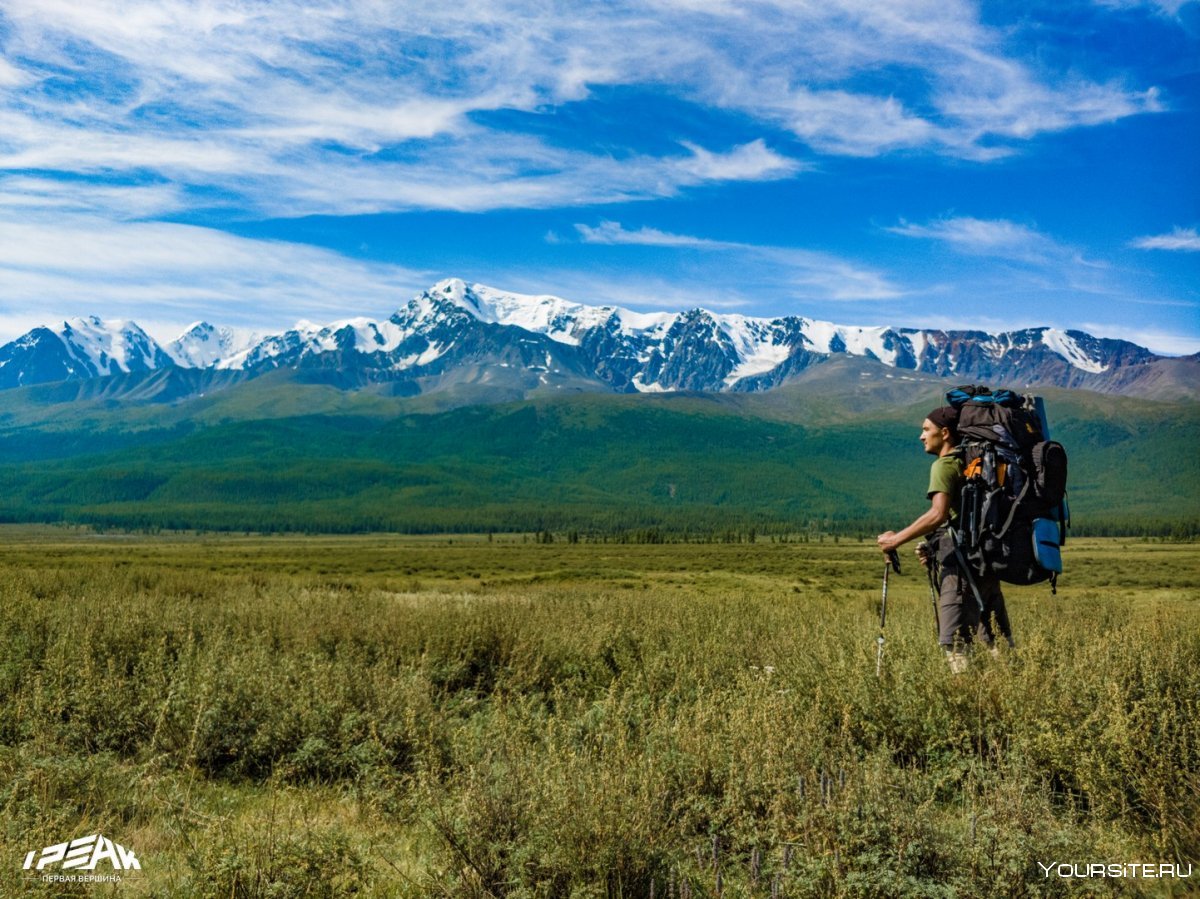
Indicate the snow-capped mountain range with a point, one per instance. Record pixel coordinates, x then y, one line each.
455 332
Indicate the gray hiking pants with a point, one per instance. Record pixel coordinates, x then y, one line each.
961 619
959 613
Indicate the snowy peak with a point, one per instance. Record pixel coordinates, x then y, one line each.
882 343
484 333
203 345
79 349
558 319
110 347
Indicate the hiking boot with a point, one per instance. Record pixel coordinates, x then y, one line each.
958 661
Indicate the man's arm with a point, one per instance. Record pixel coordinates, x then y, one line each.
931 520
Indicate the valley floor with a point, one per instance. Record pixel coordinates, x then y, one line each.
474 716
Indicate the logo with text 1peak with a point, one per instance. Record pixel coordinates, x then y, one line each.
84 854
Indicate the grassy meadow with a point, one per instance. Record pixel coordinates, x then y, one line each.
474 717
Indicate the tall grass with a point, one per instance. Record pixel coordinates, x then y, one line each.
338 717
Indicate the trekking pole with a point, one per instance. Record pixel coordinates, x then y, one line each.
933 598
893 561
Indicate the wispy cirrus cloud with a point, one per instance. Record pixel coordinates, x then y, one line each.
49 195
294 108
993 237
998 238
999 261
614 233
1168 8
943 82
1157 340
74 264
1185 239
807 274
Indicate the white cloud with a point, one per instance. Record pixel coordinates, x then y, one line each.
802 273
287 108
1013 241
614 233
839 122
1168 8
293 108
48 194
998 263
1186 239
475 177
749 162
66 265
945 81
993 237
1164 343
11 75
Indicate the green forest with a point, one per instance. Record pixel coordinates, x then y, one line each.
588 467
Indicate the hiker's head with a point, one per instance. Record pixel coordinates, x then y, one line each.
940 430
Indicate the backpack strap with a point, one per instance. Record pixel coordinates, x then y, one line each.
1012 512
965 568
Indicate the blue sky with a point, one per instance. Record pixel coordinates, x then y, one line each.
906 162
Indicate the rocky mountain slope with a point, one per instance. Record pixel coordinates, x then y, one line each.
459 336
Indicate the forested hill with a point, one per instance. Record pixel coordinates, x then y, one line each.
302 458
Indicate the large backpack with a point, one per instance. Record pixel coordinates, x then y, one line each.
1013 515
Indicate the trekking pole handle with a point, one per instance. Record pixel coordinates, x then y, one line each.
894 560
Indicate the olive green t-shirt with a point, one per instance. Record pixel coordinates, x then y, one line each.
946 476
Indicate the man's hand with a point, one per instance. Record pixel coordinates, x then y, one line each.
923 554
887 542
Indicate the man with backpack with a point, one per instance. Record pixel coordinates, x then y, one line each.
967 602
